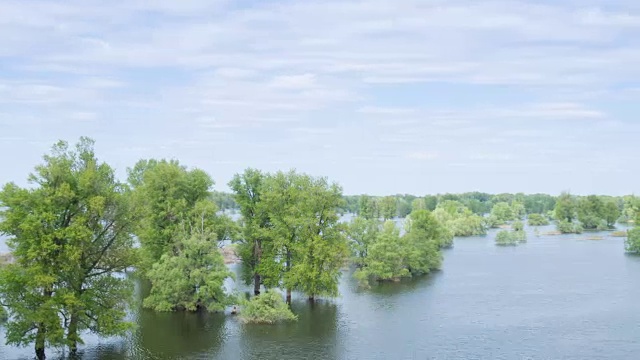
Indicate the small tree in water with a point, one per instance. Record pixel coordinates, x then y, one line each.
190 279
266 308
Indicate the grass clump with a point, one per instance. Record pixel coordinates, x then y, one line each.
266 308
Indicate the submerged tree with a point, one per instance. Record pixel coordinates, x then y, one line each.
190 278
307 246
362 233
388 207
247 188
537 220
166 194
69 233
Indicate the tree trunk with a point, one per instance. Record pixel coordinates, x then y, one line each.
288 269
40 339
72 333
256 284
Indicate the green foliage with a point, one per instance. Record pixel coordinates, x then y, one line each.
510 238
168 196
630 209
505 238
247 188
362 233
565 227
267 308
566 208
190 278
517 225
537 220
459 219
518 210
391 256
388 207
307 246
69 233
491 222
3 315
502 212
368 207
632 242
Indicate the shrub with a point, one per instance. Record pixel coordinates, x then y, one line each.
517 225
566 227
632 242
3 314
505 238
266 308
537 220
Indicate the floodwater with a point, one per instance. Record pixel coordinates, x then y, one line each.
555 297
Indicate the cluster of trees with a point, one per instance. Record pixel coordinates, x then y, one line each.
381 252
459 219
513 237
575 214
537 220
74 232
291 234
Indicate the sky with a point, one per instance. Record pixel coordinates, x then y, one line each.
381 96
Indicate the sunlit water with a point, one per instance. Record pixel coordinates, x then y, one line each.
555 297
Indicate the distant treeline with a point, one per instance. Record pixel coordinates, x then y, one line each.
479 203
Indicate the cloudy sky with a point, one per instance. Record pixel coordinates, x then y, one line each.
382 96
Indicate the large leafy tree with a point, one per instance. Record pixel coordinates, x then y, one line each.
69 233
167 194
306 247
247 188
566 208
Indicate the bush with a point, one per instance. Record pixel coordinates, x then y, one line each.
537 220
266 308
519 236
505 238
632 242
517 225
566 227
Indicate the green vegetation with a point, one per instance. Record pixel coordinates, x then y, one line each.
266 308
537 220
565 227
190 277
69 233
459 219
391 256
510 238
293 238
596 213
632 242
619 234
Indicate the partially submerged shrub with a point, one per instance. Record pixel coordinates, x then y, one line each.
266 308
537 220
566 227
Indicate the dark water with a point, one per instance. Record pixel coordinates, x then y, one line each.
556 297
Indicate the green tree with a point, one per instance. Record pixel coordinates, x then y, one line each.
386 258
190 278
537 220
505 238
307 246
362 233
247 188
502 212
388 207
69 233
368 207
517 225
632 242
566 208
166 194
